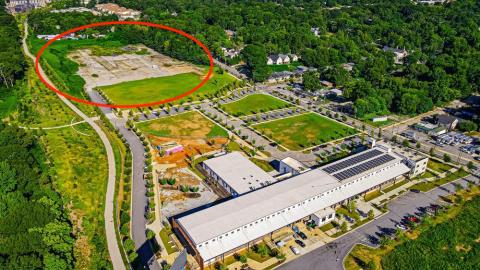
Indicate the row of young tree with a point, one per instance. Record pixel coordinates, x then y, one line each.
12 63
34 227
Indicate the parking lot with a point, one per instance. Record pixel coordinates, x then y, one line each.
330 256
455 144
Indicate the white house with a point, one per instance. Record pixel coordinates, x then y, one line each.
230 53
315 31
399 54
122 12
278 59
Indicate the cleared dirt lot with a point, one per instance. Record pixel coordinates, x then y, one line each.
108 70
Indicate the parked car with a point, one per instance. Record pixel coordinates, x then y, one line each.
295 229
401 227
295 250
280 243
300 242
302 235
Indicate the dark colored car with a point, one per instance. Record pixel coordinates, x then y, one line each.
302 235
300 242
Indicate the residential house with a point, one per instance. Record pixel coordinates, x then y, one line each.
18 6
293 57
348 66
230 53
278 59
447 121
399 54
315 31
122 12
230 33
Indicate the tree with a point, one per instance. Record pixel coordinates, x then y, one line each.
343 226
150 234
129 245
351 206
311 81
467 125
471 166
418 145
371 215
262 249
447 158
256 59
406 143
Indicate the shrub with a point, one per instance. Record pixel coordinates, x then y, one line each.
171 181
129 245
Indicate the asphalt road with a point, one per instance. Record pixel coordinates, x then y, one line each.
331 255
139 197
113 250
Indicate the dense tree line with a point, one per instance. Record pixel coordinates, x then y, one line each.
443 43
34 229
44 22
12 63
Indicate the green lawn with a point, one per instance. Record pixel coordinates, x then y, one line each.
438 166
159 88
164 233
288 67
372 195
426 186
327 227
394 186
191 125
303 131
254 103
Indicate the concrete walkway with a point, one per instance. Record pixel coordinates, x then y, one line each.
113 248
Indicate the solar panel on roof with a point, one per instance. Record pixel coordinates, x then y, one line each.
351 161
363 167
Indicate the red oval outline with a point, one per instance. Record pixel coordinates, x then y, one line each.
160 26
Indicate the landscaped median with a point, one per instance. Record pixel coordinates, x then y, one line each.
428 185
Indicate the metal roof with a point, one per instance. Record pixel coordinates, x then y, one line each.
239 172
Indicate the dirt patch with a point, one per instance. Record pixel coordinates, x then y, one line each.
113 69
192 147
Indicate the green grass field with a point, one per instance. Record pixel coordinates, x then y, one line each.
186 125
156 89
438 166
303 131
426 186
254 104
80 169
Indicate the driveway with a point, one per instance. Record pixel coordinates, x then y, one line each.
331 255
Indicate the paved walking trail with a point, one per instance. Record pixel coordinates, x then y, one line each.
112 243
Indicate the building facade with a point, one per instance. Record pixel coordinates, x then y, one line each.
228 227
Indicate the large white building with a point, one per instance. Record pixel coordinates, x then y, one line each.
241 178
235 224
